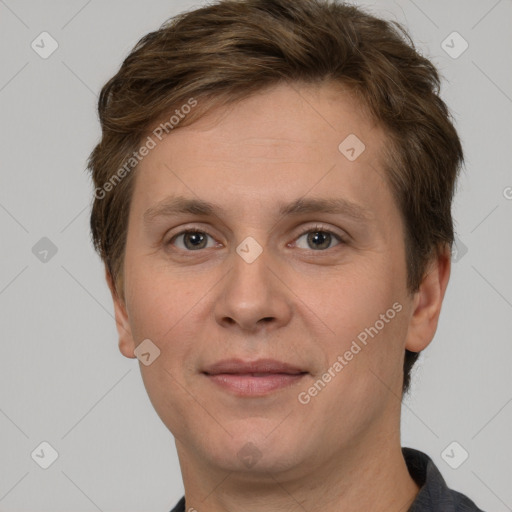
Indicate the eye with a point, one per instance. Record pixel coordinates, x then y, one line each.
319 238
193 240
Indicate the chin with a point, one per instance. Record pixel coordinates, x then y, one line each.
256 454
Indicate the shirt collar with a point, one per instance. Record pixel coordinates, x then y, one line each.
434 494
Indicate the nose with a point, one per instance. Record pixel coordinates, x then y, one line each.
253 295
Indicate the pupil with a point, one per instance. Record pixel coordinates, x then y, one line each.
319 235
196 238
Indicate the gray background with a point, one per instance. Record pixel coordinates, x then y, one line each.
62 377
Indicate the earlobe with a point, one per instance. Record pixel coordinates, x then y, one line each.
428 301
126 343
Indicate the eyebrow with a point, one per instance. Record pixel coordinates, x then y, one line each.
179 205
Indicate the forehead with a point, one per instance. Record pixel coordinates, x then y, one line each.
280 144
284 121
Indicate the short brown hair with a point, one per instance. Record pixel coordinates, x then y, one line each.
225 52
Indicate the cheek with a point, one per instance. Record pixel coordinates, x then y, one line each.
163 318
350 298
163 309
157 300
363 314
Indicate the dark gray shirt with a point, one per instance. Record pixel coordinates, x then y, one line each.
433 496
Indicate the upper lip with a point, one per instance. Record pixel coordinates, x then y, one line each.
239 366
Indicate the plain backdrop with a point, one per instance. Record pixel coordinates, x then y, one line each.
63 380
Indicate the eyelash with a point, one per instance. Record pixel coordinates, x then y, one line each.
322 229
310 229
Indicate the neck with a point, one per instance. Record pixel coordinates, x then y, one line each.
369 475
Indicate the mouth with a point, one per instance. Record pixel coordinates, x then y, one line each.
253 378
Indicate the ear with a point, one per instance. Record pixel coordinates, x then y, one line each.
427 302
126 344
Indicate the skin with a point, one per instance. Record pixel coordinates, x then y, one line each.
294 303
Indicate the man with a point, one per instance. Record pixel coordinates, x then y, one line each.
273 207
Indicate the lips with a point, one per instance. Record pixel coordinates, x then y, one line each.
255 368
253 378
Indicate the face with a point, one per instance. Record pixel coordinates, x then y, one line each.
279 308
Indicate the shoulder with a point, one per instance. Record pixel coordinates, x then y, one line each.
434 494
180 506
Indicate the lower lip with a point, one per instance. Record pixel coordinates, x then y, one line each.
248 385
